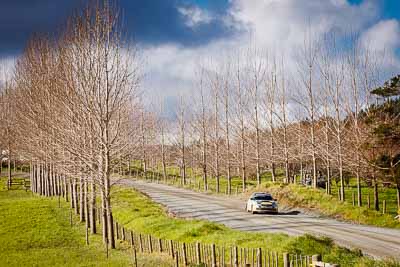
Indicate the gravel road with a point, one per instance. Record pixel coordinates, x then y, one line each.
373 241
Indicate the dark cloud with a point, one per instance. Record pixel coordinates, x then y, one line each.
19 19
147 21
156 21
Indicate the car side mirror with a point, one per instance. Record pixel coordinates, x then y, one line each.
252 198
275 199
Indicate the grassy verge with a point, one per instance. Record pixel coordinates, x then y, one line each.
314 199
34 231
137 212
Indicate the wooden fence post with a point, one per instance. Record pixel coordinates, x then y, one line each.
132 243
235 256
222 255
315 259
140 243
198 254
259 257
171 248
286 261
160 245
176 259
134 254
213 256
184 257
150 244
116 230
384 207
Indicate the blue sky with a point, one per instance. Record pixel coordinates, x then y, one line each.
149 21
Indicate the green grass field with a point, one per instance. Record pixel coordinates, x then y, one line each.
34 231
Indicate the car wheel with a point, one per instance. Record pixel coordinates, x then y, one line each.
252 210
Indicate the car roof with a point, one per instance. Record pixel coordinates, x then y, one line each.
261 194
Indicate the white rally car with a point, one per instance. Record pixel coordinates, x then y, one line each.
262 202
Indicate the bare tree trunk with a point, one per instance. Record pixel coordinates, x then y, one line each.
75 192
144 165
71 190
204 137
65 183
327 152
164 165
182 129
81 199
31 174
284 129
243 159
86 203
9 181
258 169
47 179
310 53
398 194
241 115
93 207
227 141
376 195
216 141
359 199
107 187
270 94
104 218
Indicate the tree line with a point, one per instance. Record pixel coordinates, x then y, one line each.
69 109
253 113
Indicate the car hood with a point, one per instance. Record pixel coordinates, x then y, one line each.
265 201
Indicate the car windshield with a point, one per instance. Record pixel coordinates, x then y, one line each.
262 197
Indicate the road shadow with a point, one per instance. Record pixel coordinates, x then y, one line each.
292 212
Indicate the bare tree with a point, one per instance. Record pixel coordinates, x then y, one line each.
306 69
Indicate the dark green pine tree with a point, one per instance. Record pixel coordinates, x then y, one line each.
384 128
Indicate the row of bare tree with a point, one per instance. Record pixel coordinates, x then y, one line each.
70 108
255 114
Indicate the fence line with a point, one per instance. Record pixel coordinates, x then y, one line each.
45 182
200 254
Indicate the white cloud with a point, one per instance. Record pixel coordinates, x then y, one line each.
383 36
6 68
195 16
274 25
171 69
283 23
